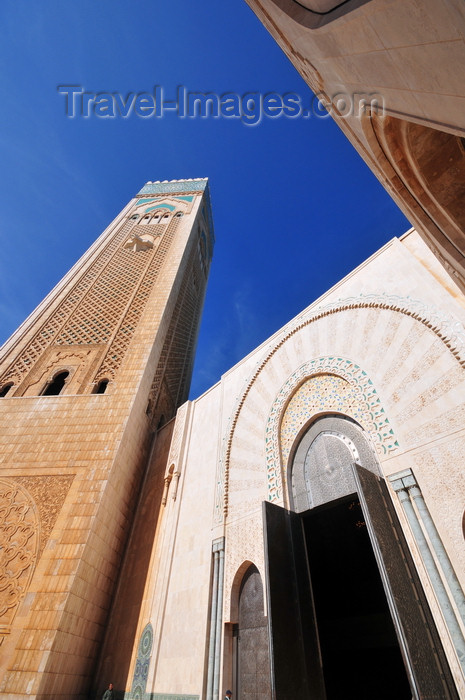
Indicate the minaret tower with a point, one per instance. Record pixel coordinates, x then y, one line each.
85 382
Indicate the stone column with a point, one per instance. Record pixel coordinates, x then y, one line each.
216 621
445 584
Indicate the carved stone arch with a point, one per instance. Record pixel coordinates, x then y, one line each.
156 214
426 168
320 468
235 589
19 547
252 676
447 328
327 385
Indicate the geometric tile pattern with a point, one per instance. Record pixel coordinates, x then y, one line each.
321 393
175 186
141 670
327 384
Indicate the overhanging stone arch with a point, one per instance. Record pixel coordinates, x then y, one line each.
423 165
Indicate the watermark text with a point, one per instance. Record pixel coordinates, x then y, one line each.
250 107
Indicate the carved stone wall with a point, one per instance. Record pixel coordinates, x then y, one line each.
55 322
29 507
104 307
19 544
244 543
175 366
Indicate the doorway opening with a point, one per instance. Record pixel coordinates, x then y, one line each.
360 652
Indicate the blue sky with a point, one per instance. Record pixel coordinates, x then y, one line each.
294 206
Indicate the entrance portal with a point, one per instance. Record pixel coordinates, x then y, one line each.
360 653
347 612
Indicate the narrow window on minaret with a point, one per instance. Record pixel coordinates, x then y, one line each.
101 387
55 387
5 389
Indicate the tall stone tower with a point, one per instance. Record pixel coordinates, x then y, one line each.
85 382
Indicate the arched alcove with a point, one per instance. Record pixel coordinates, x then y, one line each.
252 677
5 389
101 386
56 386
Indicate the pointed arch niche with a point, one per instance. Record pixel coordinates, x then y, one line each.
327 385
248 638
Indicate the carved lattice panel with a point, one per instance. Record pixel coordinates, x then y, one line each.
176 358
49 330
19 545
131 318
99 312
29 507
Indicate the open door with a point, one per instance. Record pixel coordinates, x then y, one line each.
296 670
347 614
424 658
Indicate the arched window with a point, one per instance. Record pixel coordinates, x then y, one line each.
5 389
178 214
55 387
165 218
101 387
145 220
134 216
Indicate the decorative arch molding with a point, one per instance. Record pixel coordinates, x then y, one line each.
362 404
448 329
236 587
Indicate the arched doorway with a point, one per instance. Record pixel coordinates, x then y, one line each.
360 653
347 612
253 658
